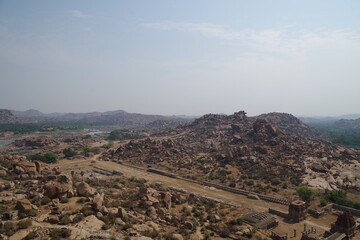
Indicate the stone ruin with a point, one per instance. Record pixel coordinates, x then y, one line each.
345 223
297 211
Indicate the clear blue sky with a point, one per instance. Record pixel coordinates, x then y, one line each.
181 57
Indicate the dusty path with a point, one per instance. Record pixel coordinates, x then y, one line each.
244 201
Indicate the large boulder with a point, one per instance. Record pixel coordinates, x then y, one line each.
84 189
58 190
97 201
167 199
151 212
123 214
24 205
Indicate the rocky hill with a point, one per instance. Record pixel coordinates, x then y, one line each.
291 125
6 116
236 149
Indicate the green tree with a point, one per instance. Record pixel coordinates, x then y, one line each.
305 193
69 152
50 157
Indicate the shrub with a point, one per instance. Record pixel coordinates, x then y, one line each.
339 197
207 235
87 211
151 234
58 233
22 215
88 150
275 181
237 221
48 157
10 228
69 152
65 220
323 202
24 223
105 227
224 232
81 200
30 236
45 200
110 144
64 200
127 226
105 219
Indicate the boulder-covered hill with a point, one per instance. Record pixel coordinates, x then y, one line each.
6 116
291 125
263 148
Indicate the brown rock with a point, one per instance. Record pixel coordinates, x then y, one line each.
24 205
167 200
177 236
83 189
54 219
97 201
58 190
123 214
119 221
151 212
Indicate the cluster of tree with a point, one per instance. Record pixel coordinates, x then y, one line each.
305 193
48 157
349 137
339 197
88 150
69 152
23 128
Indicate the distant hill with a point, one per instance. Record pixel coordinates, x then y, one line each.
347 123
328 120
117 117
28 113
6 116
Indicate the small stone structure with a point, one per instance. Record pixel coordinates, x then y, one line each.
297 211
262 220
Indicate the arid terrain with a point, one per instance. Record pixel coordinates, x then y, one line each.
206 179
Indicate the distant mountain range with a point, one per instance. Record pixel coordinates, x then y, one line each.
117 117
349 121
328 119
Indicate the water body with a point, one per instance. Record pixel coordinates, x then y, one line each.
10 140
94 132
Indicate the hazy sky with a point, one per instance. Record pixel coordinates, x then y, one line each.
181 57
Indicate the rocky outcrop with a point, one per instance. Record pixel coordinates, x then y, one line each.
84 189
24 206
6 116
58 190
272 147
